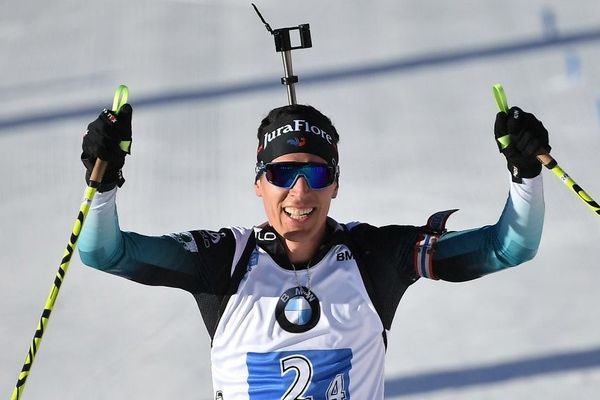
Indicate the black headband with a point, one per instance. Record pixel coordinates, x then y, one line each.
297 133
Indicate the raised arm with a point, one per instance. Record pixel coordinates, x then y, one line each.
170 260
514 239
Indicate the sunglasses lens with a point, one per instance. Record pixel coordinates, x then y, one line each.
284 175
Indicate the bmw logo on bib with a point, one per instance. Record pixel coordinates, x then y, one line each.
298 310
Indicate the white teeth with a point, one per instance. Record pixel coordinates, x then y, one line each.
297 212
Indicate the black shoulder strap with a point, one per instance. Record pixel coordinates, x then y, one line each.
212 304
236 277
240 268
366 278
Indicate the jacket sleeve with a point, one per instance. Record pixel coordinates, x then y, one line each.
514 239
181 260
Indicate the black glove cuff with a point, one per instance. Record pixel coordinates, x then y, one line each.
521 166
112 177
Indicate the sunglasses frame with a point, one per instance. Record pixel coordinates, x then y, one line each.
262 167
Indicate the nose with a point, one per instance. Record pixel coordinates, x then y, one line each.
300 186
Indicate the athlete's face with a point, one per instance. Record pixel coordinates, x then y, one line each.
298 214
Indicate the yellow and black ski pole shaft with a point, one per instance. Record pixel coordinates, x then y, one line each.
121 95
544 157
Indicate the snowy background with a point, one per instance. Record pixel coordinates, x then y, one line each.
408 85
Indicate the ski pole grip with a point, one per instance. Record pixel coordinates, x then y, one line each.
543 156
98 171
120 98
546 159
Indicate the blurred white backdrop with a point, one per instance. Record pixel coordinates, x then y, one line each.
408 85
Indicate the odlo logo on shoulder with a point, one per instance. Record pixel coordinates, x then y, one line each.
298 125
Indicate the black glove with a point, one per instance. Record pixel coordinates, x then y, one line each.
109 138
528 138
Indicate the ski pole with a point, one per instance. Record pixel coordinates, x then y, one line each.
121 95
546 159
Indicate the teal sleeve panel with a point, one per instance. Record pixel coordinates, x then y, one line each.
514 239
170 260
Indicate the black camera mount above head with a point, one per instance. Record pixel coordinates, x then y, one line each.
283 45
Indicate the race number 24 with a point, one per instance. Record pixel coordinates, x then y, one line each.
300 375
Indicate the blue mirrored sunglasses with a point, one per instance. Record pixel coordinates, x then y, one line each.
285 174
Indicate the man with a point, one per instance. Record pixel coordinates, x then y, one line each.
299 307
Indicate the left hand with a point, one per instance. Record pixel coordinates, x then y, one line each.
108 138
528 138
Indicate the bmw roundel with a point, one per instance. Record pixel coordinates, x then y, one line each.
298 310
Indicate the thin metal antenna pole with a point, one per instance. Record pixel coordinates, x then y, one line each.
283 45
286 56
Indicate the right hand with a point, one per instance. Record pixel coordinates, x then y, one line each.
108 138
528 138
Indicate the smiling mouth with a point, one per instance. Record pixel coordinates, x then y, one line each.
298 213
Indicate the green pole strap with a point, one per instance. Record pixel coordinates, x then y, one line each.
500 97
502 104
121 96
546 159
